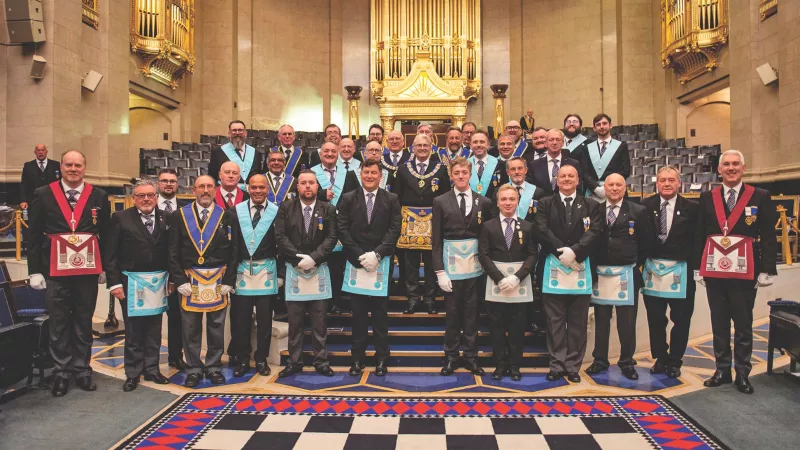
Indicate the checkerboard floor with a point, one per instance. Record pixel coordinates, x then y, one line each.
300 432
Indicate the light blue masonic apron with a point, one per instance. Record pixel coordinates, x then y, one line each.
147 293
256 277
244 164
461 259
665 278
482 185
576 141
359 281
600 164
614 286
559 279
520 294
304 285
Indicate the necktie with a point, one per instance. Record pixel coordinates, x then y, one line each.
71 197
554 175
509 234
568 209
602 148
370 205
277 181
480 169
569 141
731 200
421 168
167 206
288 153
307 218
332 175
148 222
462 204
230 200
41 165
394 159
257 214
203 217
611 216
519 192
241 153
662 224
347 166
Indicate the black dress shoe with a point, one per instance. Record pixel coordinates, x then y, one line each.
192 380
537 330
574 377
516 375
86 383
156 378
216 378
241 370
431 307
60 387
499 372
412 304
263 369
743 385
179 364
233 361
629 372
658 367
448 368
474 367
380 369
289 370
130 384
718 379
673 372
554 376
595 368
334 310
325 370
356 369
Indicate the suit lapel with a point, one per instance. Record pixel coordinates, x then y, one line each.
137 219
578 206
362 203
453 199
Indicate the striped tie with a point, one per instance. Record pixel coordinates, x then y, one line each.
611 216
256 215
731 200
148 222
509 234
480 169
71 197
662 225
168 207
603 148
41 165
307 218
370 205
203 217
554 175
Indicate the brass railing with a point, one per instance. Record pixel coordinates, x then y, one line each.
162 35
692 35
90 14
767 8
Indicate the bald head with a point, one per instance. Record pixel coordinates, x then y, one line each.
347 147
614 187
567 179
229 175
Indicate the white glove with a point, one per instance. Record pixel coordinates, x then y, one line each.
280 282
37 282
369 261
101 279
698 279
306 262
225 289
567 256
764 280
508 283
444 281
185 289
600 191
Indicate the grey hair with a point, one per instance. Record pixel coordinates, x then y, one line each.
423 137
419 127
732 152
145 183
672 168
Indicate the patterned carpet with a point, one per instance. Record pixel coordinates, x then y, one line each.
240 421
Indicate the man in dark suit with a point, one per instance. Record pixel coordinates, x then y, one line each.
568 227
457 220
229 194
489 172
453 148
168 203
199 270
295 159
675 219
258 276
245 156
466 134
418 182
747 215
306 233
602 157
508 240
73 214
37 173
572 134
281 182
543 172
539 144
625 245
372 152
527 122
332 134
136 254
369 225
521 146
397 154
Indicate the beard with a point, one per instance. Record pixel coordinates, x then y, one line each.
237 141
571 135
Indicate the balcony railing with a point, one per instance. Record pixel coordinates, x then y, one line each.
692 35
90 15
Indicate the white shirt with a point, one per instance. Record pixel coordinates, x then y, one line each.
331 172
467 198
286 150
374 196
484 159
563 197
670 211
506 225
141 216
726 191
418 162
550 162
225 193
537 155
273 177
67 189
44 161
312 205
615 207
606 140
200 210
253 208
162 201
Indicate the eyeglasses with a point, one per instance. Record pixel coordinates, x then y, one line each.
512 127
168 181
150 196
238 131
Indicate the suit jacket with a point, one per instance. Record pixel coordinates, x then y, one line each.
619 247
538 194
620 163
449 223
218 157
291 234
33 178
539 174
302 162
680 245
224 205
183 255
357 235
765 249
45 218
524 125
406 185
131 247
502 178
492 247
553 232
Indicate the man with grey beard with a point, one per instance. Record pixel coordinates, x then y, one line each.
245 156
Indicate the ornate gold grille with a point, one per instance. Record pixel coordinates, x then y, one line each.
162 35
692 34
767 8
90 15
